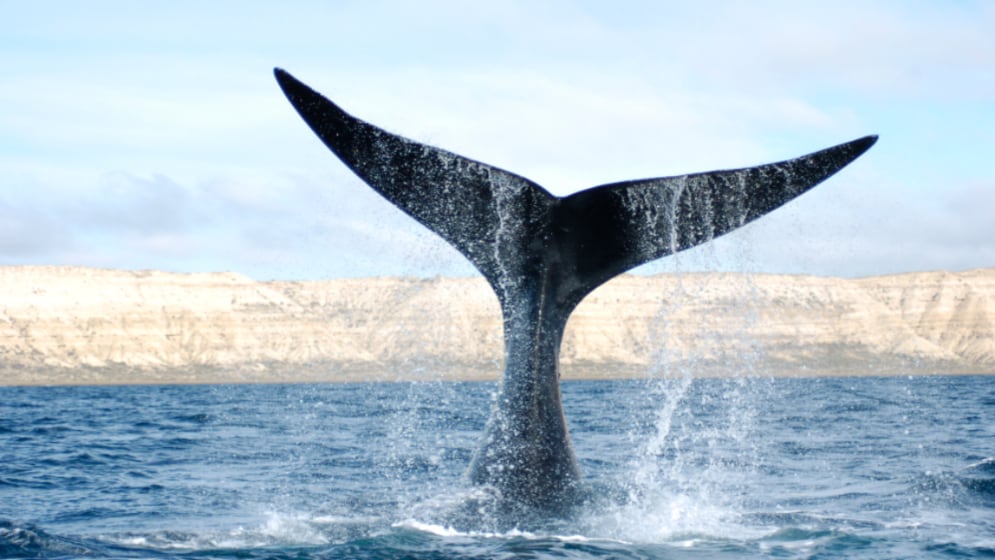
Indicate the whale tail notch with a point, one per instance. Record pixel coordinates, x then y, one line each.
494 217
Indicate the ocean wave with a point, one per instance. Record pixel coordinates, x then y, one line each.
24 540
973 484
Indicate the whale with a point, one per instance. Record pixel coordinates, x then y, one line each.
542 254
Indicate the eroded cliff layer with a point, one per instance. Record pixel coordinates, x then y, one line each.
80 325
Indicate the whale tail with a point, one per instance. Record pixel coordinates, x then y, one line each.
496 218
542 254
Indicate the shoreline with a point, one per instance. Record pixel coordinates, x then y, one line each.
100 377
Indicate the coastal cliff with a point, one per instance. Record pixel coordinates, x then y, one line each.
66 325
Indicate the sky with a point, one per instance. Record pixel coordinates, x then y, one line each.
152 135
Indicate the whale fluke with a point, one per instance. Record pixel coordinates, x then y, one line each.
542 254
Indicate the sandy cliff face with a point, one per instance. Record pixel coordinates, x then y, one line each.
66 325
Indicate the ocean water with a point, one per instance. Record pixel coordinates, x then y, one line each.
759 468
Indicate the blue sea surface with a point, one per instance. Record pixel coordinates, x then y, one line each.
679 468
